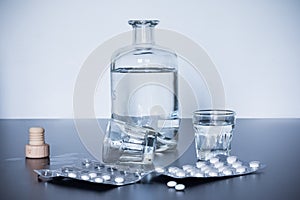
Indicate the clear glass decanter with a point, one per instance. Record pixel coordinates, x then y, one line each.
144 85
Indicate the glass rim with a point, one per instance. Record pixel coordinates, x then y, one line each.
218 112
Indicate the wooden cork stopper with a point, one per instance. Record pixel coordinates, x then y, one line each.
37 148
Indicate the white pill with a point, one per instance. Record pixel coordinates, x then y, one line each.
85 177
72 175
254 164
204 168
231 159
190 170
240 169
236 164
227 172
213 160
200 164
98 180
218 165
187 167
173 170
179 187
106 177
208 170
221 169
159 169
198 174
171 184
119 179
92 174
213 173
180 173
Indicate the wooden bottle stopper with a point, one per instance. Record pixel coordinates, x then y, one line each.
37 148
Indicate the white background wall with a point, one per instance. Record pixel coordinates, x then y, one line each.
254 44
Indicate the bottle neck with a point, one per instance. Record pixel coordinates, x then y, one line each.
143 35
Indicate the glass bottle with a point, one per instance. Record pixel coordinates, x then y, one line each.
144 85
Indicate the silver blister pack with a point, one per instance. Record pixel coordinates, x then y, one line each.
96 172
93 171
219 166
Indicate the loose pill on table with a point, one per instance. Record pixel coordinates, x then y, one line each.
171 184
254 164
179 187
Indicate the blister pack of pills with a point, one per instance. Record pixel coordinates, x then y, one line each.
96 172
219 166
93 171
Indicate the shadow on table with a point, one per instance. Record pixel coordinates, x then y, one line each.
81 185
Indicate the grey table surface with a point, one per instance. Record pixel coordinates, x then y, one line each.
274 142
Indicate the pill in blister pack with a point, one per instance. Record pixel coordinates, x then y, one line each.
218 166
93 171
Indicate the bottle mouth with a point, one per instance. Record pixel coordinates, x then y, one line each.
140 23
